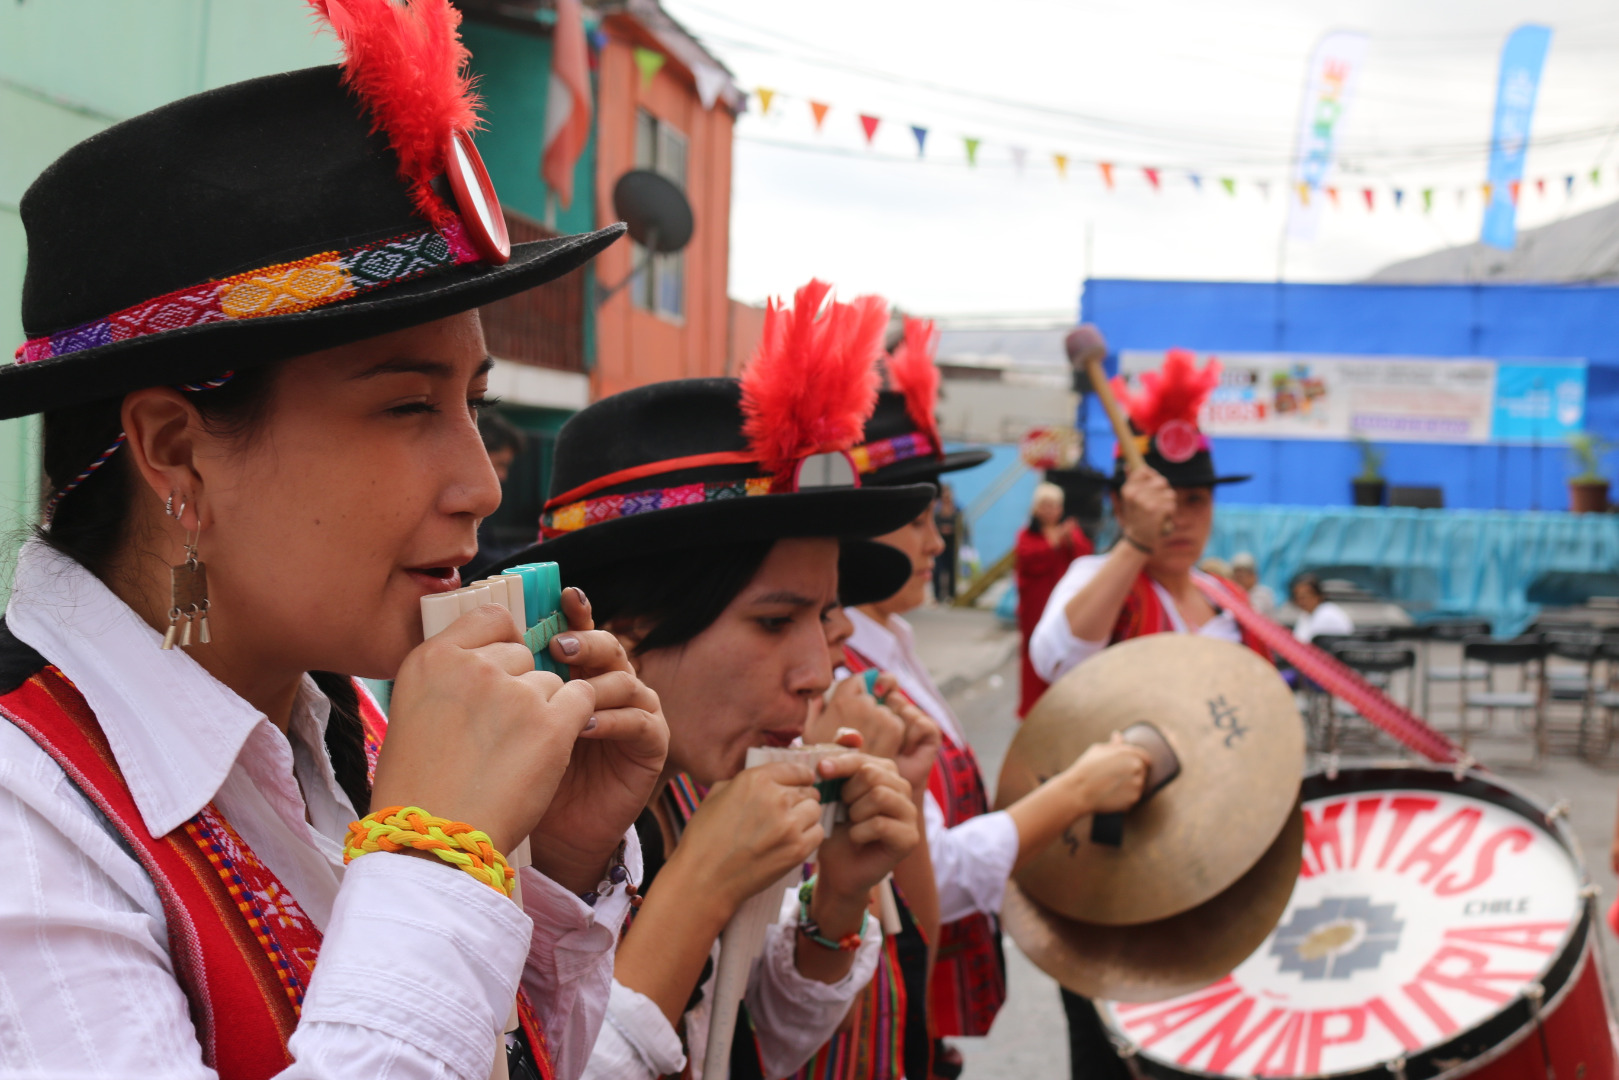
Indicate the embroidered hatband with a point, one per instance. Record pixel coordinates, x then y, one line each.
875 455
311 282
585 512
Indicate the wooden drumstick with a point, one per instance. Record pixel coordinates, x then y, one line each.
1088 349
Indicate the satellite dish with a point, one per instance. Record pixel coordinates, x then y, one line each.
656 211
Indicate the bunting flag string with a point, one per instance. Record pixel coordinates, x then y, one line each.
650 61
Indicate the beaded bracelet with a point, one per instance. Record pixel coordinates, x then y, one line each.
617 874
396 828
812 929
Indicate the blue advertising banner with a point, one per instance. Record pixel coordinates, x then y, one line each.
1538 402
1522 58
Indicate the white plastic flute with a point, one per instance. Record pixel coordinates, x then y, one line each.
744 936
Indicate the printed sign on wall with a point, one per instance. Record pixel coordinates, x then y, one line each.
1386 398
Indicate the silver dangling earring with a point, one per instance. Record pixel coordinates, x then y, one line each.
188 590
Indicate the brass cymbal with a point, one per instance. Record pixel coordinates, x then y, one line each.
1231 721
1170 957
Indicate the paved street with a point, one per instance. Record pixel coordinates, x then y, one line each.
974 660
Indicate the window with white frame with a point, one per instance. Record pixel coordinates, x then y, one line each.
661 287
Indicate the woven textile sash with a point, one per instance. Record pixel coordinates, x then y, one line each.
283 289
869 457
585 512
243 950
1333 676
969 973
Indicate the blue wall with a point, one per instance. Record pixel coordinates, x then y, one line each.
1494 321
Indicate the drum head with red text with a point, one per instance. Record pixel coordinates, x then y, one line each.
1420 913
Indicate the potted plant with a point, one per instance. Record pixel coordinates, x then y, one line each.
1369 485
1588 488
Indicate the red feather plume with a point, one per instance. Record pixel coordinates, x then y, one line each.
812 382
406 64
1175 391
913 373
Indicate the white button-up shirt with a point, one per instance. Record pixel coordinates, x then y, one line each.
971 862
419 964
1055 651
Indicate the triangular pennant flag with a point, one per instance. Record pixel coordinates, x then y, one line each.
972 149
1489 192
869 125
1332 193
1229 184
1596 176
1461 195
1107 173
1152 178
1020 157
921 134
1515 187
1540 187
1399 197
1197 181
1061 161
765 97
819 109
1264 189
650 61
1304 193
1366 193
1568 185
1427 199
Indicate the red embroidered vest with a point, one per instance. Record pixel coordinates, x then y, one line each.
242 949
969 972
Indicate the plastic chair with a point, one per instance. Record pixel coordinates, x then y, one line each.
1452 631
1377 662
1527 655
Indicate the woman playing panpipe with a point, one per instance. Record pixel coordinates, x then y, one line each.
703 518
253 333
973 851
1147 584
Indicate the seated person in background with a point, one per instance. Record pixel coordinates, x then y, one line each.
1245 572
1317 614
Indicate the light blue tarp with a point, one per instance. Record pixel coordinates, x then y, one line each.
1438 562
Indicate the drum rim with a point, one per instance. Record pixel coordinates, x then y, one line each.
1502 1029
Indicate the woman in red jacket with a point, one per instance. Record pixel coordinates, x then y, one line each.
1044 550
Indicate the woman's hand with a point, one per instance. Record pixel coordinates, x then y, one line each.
748 833
475 734
883 826
1146 506
616 762
890 724
1109 777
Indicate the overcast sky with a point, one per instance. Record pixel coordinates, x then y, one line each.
1185 85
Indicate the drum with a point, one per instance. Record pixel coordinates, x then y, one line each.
1440 927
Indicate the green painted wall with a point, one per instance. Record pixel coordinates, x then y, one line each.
69 68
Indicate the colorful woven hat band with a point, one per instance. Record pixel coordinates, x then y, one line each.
282 289
575 509
869 457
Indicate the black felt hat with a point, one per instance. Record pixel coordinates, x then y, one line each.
896 450
1163 416
247 224
667 467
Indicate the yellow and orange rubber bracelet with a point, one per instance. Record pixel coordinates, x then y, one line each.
396 828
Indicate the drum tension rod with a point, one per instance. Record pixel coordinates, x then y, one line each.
1559 809
1397 1067
1533 993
